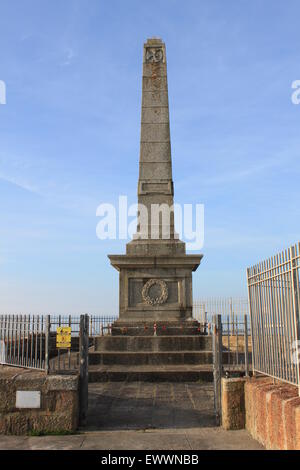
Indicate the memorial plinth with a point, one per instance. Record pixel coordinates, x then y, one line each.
155 274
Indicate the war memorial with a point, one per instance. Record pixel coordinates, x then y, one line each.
155 273
155 328
157 377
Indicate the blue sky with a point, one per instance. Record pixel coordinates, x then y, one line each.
69 138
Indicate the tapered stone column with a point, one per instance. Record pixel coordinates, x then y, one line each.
155 233
155 273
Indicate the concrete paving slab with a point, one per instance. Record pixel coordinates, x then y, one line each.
156 439
219 439
14 443
56 442
144 405
136 440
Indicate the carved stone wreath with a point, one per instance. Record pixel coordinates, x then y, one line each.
159 300
154 55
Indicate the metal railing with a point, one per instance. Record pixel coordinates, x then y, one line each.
231 346
236 343
64 359
23 341
101 325
30 340
98 325
234 308
274 300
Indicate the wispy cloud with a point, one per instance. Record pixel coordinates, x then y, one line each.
19 183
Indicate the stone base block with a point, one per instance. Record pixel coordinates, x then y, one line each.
59 402
233 404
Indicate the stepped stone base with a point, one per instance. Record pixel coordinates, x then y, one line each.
153 343
161 373
178 352
163 328
150 358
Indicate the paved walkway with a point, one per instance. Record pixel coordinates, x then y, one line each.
146 405
146 416
160 439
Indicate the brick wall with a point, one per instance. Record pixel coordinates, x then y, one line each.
273 413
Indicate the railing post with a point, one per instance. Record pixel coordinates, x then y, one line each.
246 346
47 343
296 294
83 375
251 323
217 365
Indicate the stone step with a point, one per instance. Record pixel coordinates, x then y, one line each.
149 357
153 343
162 373
159 358
161 331
163 328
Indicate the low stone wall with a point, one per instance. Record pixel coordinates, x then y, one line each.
233 404
58 410
273 414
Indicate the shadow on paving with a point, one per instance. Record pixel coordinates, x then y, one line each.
144 405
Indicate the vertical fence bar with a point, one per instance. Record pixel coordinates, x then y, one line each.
228 340
69 350
47 342
237 341
217 365
295 294
246 346
83 375
9 337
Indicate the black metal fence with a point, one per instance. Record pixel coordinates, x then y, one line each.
23 340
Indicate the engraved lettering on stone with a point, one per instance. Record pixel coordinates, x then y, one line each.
154 55
155 292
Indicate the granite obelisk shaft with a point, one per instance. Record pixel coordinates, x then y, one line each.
155 275
155 232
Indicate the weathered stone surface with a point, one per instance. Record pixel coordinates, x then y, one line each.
153 170
153 343
153 71
59 402
62 382
155 151
233 404
139 405
155 254
155 84
150 358
151 373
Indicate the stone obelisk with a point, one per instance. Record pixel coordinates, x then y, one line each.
155 274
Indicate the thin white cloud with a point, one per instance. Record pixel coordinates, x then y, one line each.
19 183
